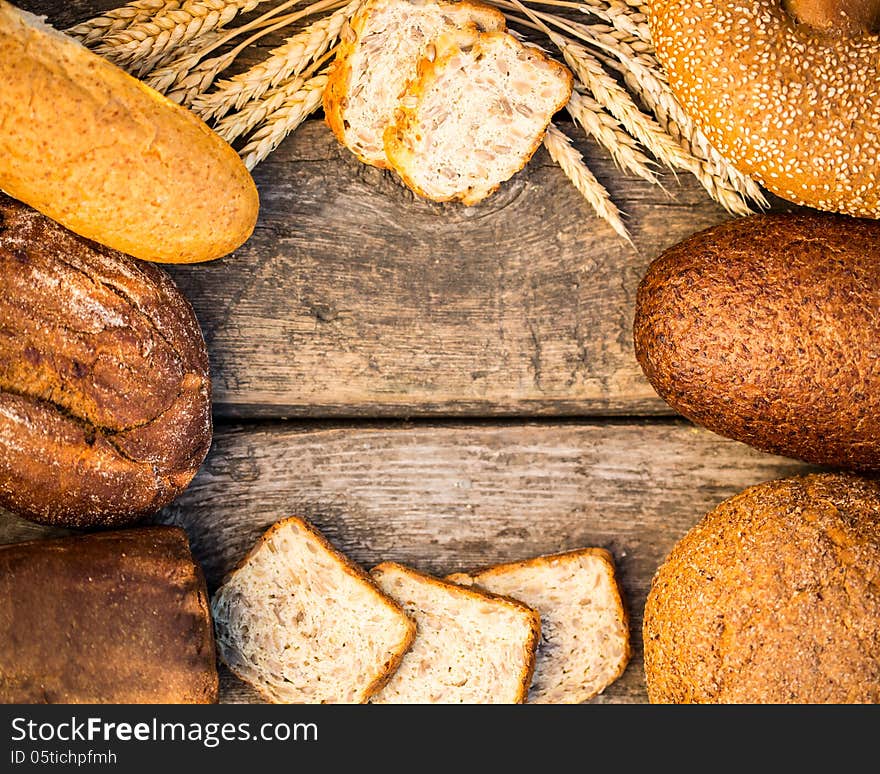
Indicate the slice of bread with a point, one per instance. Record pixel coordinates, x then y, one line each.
302 624
379 56
471 648
584 629
474 115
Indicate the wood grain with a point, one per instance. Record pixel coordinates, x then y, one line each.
353 298
455 497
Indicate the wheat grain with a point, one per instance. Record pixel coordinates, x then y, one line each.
285 61
571 162
117 19
607 131
282 121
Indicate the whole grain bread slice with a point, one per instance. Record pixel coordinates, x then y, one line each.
377 58
584 628
472 647
303 624
474 115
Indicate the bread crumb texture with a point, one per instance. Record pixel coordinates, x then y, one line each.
584 644
471 647
303 625
387 40
794 106
773 598
474 115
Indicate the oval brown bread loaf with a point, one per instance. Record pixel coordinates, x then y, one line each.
766 330
772 598
784 89
105 397
116 617
108 157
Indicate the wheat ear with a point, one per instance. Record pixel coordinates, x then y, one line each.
236 124
141 46
571 162
288 60
186 78
607 131
281 122
140 11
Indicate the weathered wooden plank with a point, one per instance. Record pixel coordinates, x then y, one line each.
353 298
445 498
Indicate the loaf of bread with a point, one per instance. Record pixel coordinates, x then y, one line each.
111 159
387 40
584 643
302 624
105 396
772 598
471 647
474 115
116 617
765 330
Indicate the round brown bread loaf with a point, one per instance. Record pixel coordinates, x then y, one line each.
766 330
111 159
105 397
786 89
772 598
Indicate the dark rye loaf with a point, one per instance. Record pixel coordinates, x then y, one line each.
767 330
773 597
114 617
105 397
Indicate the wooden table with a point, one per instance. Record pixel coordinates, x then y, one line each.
443 386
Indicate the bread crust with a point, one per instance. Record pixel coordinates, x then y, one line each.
111 159
351 569
339 76
449 46
765 330
115 617
794 106
105 392
534 617
772 598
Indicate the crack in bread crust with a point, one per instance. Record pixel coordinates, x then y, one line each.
104 380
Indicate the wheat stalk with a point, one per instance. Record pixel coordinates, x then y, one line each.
282 121
288 60
571 162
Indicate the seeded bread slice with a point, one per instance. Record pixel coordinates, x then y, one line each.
474 115
472 647
379 55
302 624
584 629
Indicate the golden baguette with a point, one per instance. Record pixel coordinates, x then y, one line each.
111 159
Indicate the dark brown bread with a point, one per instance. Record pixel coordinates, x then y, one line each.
766 330
105 397
114 617
772 598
